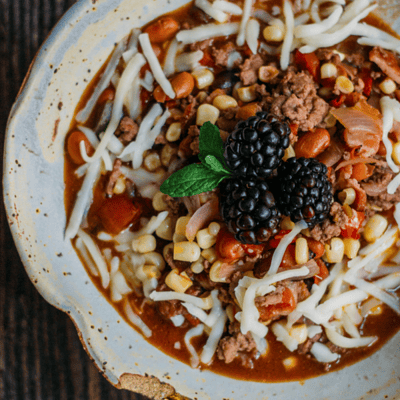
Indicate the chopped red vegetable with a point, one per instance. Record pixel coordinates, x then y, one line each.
353 225
309 62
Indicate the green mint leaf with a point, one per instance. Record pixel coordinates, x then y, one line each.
191 180
210 142
216 165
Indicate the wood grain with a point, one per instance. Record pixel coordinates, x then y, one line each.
41 357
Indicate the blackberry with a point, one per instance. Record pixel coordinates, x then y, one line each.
256 146
249 210
303 190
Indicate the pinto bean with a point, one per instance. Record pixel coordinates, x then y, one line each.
162 30
183 85
313 143
316 247
247 111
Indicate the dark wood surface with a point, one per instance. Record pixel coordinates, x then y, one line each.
41 357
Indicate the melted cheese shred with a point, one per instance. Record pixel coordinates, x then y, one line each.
136 320
288 40
190 334
248 4
208 31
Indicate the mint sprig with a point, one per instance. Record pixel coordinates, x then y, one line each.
198 178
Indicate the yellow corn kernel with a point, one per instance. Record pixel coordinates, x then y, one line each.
273 33
176 238
203 78
155 259
197 267
247 93
216 272
287 224
207 113
377 310
223 102
204 239
230 313
325 92
144 244
387 86
347 196
289 153
151 271
348 210
152 162
214 228
396 153
267 73
335 251
330 121
209 254
375 228
159 203
201 96
169 248
301 251
186 251
120 185
166 229
178 282
208 302
341 55
174 132
344 84
351 247
328 70
290 362
167 153
181 223
299 333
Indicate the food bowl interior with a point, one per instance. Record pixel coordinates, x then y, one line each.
34 195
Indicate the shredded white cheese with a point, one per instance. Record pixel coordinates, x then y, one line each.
136 320
248 4
252 34
189 61
322 353
282 335
227 6
213 12
170 57
212 342
197 301
86 256
208 31
348 343
178 320
197 331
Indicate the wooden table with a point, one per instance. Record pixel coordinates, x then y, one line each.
41 357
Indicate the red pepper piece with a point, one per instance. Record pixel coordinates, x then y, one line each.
323 272
309 62
353 225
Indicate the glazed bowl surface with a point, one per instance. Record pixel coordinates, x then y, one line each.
33 181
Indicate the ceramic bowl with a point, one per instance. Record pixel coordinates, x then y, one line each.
34 196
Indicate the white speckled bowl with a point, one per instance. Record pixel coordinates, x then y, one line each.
34 196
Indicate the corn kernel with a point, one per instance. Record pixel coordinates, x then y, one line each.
197 267
335 251
151 271
152 161
174 132
155 259
214 228
330 121
144 244
209 254
287 224
230 313
375 228
223 102
120 185
344 84
387 86
167 153
351 247
301 251
247 93
166 229
328 70
167 250
207 113
396 153
159 203
204 239
186 251
177 237
289 153
325 92
177 282
347 196
203 78
180 227
201 97
216 272
341 55
273 33
299 333
267 73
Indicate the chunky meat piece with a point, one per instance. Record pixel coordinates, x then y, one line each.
387 62
249 69
328 55
175 206
127 130
227 119
221 55
377 184
332 226
192 203
170 308
115 174
305 347
236 345
296 99
203 45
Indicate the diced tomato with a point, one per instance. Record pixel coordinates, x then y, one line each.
328 82
227 247
118 213
294 129
285 307
323 272
316 247
362 171
365 75
107 95
360 201
207 60
352 99
274 242
289 258
144 97
338 101
253 250
353 225
171 104
73 146
309 62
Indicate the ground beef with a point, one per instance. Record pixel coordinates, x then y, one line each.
115 174
328 55
249 69
192 203
296 99
332 226
385 200
175 207
227 119
387 62
236 344
378 182
221 55
180 265
127 130
203 45
305 347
